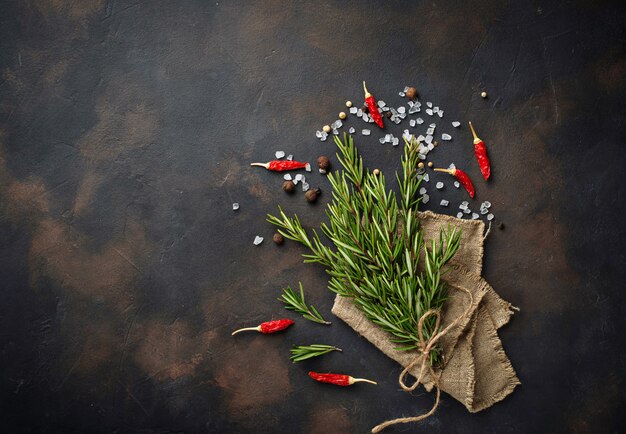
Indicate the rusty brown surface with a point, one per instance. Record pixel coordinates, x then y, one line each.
126 129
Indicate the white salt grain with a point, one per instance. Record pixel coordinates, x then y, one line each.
351 130
287 177
423 190
401 109
429 112
475 216
395 141
366 132
456 124
459 215
430 131
235 206
280 154
420 121
457 184
258 240
439 185
382 140
425 198
429 104
381 103
440 113
305 186
487 204
444 202
445 136
353 110
412 122
307 167
490 217
299 177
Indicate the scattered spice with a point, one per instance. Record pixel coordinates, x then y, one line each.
267 327
289 186
420 165
278 239
462 177
326 128
376 172
323 163
281 165
342 115
483 94
481 154
373 108
312 195
430 164
364 109
348 104
304 352
411 93
338 379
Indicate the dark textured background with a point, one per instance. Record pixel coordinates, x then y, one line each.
125 133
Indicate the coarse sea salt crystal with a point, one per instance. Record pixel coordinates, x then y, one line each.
435 109
457 184
318 134
444 202
456 124
489 216
425 198
429 104
337 124
421 156
280 154
459 215
439 185
420 138
395 141
364 117
428 139
430 131
235 206
287 177
305 186
298 177
429 112
431 147
475 216
414 109
359 112
397 120
420 121
426 178
290 157
423 190
440 113
307 167
366 132
401 109
381 103
401 93
412 122
451 166
445 136
257 240
487 204
382 140
484 211
351 130
353 110
433 125
405 88
467 211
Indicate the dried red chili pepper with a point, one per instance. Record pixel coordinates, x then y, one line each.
462 177
373 108
281 165
268 327
338 379
481 154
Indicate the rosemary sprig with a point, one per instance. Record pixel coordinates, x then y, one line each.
304 352
295 302
380 258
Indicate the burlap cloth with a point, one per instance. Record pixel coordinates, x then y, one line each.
476 370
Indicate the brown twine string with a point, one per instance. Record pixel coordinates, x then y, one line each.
425 347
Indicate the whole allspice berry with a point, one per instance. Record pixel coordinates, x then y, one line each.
411 93
323 163
289 186
312 194
278 238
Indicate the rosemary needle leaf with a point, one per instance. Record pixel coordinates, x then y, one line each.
304 352
294 301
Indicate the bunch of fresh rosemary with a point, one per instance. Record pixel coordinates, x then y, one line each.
380 258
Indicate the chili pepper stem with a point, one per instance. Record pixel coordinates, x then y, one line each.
247 329
367 94
361 380
476 139
266 165
450 171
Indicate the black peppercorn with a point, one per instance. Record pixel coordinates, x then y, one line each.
278 238
312 194
289 186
